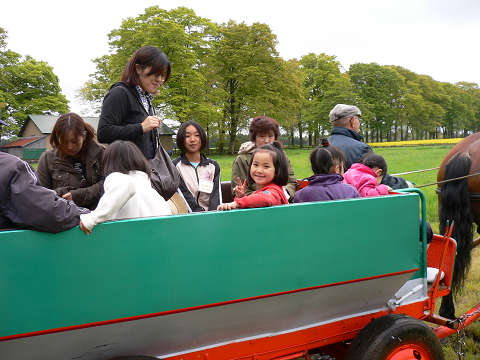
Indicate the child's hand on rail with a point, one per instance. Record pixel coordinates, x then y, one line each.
227 206
84 229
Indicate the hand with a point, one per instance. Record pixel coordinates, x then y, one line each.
84 229
150 123
389 188
228 206
240 188
67 196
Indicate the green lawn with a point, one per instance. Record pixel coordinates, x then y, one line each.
416 158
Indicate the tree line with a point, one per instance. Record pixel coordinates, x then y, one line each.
27 86
225 74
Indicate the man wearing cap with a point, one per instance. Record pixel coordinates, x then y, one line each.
345 135
346 124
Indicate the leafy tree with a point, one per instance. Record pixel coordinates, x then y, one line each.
27 86
223 75
324 87
246 63
185 38
286 107
472 99
381 89
458 112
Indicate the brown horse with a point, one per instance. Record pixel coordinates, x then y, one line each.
459 201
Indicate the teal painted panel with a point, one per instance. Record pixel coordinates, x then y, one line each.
142 266
32 154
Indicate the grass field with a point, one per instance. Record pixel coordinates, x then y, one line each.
403 159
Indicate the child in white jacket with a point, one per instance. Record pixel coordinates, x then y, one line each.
128 192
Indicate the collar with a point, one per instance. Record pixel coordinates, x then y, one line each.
203 160
142 93
93 152
347 132
246 148
325 178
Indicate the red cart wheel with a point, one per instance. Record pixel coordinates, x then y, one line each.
410 352
396 337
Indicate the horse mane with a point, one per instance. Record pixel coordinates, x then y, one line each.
455 205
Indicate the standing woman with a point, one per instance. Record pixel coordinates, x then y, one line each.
127 110
73 168
200 183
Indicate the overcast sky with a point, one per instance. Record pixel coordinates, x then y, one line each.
437 37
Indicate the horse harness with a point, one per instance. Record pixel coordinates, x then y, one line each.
474 196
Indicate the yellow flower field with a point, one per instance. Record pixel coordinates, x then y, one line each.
415 142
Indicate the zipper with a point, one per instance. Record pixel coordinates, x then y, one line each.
198 180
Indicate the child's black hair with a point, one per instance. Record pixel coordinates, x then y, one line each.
182 131
372 160
324 157
124 156
280 163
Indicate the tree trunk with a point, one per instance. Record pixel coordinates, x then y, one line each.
221 134
300 133
207 147
233 116
233 135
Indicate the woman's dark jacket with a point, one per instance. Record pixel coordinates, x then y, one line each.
121 119
27 205
323 187
56 172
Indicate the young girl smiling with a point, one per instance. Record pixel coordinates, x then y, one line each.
263 130
200 183
269 171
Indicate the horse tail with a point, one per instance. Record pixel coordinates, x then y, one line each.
455 205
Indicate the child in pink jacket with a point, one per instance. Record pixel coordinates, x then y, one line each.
367 175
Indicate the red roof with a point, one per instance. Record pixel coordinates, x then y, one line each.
22 142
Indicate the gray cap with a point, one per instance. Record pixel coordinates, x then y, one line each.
341 111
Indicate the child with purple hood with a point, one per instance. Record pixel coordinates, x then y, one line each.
326 184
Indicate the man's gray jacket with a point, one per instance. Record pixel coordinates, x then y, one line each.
351 144
353 148
25 204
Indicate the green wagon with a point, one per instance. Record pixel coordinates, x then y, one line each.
246 284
